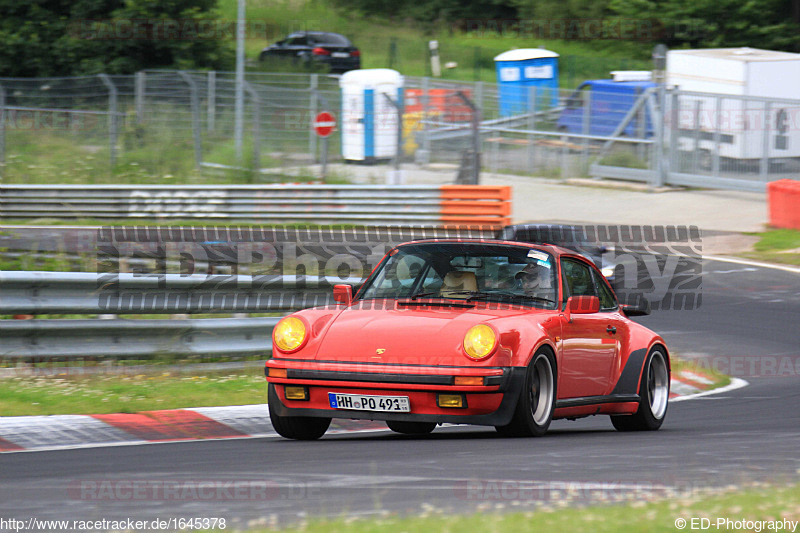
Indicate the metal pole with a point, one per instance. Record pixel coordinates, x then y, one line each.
764 163
659 120
112 117
2 130
586 127
717 135
398 105
674 132
195 104
531 127
238 121
211 108
139 91
314 107
476 134
256 127
426 116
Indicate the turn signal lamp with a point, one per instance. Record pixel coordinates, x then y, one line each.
479 342
468 380
277 372
290 334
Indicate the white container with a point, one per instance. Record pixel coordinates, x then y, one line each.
739 72
369 120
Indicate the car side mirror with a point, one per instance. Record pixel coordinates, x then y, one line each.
581 305
642 308
343 294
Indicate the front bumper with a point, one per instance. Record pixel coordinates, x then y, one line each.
491 404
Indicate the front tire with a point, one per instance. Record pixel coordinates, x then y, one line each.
411 428
537 402
294 427
653 396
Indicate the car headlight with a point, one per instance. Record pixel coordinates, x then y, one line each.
608 272
480 342
289 334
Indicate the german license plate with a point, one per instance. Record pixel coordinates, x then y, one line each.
340 54
363 402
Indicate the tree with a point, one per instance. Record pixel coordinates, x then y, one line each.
74 37
770 24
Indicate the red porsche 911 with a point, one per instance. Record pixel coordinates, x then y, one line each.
502 334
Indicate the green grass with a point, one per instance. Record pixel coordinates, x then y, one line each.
719 379
473 51
123 393
756 502
777 246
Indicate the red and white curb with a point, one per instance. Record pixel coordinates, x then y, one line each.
60 432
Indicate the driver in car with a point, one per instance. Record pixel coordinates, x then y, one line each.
537 281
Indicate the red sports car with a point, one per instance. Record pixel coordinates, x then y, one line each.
502 334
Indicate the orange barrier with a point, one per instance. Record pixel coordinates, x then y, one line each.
444 102
475 205
783 199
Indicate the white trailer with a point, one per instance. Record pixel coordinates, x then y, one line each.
751 107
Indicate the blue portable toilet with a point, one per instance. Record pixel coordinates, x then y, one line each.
518 71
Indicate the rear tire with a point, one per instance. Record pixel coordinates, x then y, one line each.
537 401
294 427
411 428
653 396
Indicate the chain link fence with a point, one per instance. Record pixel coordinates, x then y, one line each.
177 127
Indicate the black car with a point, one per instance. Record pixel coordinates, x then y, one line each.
309 48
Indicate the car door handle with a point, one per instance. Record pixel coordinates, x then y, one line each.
611 329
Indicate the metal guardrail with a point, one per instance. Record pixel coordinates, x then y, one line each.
40 293
34 340
262 204
89 293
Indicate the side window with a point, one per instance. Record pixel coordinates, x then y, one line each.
607 300
577 278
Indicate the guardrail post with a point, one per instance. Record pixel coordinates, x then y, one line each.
256 126
112 118
139 93
2 131
212 101
195 104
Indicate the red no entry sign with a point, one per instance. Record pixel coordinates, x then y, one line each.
324 124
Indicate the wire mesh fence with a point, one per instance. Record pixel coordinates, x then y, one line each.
179 127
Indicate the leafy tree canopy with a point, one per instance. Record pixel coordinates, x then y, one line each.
74 37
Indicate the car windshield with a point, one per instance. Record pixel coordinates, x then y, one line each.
466 271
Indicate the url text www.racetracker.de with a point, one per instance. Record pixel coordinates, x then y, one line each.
123 524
